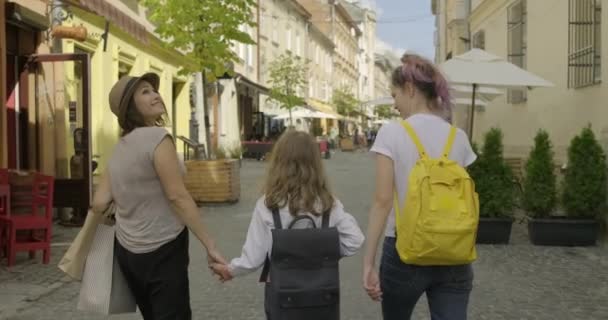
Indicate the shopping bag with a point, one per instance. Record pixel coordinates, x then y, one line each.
72 262
103 288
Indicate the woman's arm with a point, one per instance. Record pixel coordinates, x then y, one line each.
378 214
103 194
167 167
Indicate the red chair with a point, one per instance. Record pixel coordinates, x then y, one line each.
30 221
5 207
5 199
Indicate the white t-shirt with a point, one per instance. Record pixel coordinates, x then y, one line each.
394 142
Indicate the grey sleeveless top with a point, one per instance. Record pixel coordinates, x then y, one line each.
144 217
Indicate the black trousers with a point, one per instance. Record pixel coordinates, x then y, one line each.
159 279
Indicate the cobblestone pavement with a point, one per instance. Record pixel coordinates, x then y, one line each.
518 281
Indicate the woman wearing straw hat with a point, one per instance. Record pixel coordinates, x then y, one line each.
153 208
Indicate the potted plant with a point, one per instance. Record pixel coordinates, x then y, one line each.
494 184
539 187
583 197
216 180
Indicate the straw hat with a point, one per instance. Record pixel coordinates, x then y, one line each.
123 91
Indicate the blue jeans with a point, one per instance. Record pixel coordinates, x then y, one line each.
447 288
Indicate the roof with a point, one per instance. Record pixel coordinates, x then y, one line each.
342 10
356 12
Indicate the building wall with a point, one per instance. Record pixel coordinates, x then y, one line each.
560 110
366 59
319 54
382 82
283 29
345 57
122 50
3 142
450 26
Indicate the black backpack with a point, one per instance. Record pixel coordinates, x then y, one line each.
304 272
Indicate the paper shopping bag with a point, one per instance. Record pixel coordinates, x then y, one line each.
73 260
103 288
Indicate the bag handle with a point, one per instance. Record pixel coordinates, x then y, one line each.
276 217
302 217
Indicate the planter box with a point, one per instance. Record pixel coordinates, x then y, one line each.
563 232
214 181
494 230
346 144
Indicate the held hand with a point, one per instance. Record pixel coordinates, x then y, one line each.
371 283
213 256
222 271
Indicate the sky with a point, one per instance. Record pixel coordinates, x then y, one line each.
405 25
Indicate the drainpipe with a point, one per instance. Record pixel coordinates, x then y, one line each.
57 17
467 14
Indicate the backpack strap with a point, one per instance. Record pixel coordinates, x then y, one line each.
276 217
410 131
325 220
448 146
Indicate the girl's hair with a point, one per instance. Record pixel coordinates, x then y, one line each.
426 77
134 119
296 177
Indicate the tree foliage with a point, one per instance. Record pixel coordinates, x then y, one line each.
493 178
385 111
206 30
584 193
345 101
540 191
288 74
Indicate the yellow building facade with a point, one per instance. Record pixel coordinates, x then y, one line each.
124 55
549 39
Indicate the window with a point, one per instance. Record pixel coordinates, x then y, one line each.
289 44
275 28
298 44
317 53
311 88
250 49
517 44
584 45
479 40
263 21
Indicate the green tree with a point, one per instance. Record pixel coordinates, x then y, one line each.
384 111
540 191
493 178
584 193
345 101
205 30
287 78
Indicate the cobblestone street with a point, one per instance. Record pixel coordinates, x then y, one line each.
518 281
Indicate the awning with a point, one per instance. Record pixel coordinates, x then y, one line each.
322 107
114 15
241 79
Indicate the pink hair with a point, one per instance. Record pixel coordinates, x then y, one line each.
426 77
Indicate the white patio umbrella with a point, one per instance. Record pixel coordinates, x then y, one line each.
457 101
305 113
478 68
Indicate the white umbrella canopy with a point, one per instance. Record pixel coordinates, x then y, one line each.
480 101
460 91
478 68
305 113
484 69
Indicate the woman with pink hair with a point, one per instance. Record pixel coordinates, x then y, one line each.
423 100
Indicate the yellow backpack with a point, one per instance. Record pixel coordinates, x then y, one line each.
438 223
